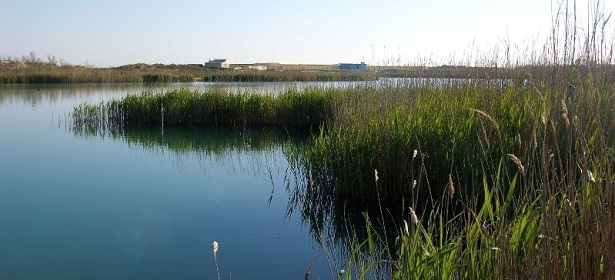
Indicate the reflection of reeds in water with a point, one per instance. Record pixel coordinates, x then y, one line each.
254 150
203 140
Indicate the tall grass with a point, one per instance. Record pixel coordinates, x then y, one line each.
508 182
287 76
515 182
309 108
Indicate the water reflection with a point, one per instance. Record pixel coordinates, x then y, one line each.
334 222
34 94
248 152
340 223
210 145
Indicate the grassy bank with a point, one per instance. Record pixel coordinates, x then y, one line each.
28 70
34 70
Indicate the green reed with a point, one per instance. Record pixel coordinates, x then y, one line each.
310 108
519 179
287 76
453 130
514 182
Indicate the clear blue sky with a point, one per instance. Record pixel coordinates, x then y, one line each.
113 32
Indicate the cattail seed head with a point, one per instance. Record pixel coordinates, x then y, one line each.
376 175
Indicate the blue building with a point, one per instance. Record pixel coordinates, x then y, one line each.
353 66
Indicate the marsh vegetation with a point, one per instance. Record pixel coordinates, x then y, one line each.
496 175
470 180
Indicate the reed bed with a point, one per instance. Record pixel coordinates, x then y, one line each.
29 72
519 179
310 108
511 182
288 76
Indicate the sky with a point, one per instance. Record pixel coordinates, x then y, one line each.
119 32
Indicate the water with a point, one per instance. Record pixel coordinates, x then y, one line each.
143 205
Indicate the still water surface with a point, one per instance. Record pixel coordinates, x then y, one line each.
145 205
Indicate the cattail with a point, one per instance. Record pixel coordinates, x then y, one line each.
413 184
376 175
451 187
415 219
414 154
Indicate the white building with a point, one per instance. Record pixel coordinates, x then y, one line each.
258 67
217 64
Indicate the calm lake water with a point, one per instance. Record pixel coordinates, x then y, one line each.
146 204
